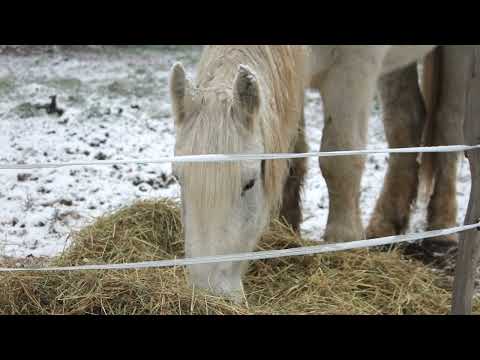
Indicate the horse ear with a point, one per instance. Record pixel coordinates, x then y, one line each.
246 94
180 92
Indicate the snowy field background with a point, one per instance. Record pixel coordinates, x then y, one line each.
117 107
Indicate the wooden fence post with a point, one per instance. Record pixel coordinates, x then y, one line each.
469 247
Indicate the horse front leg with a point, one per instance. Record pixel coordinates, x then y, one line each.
347 92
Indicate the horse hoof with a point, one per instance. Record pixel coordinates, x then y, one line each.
340 234
442 243
380 231
381 226
437 252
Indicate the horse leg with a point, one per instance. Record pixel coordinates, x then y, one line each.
442 211
291 207
443 208
347 92
404 119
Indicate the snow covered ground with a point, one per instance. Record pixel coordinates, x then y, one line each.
117 107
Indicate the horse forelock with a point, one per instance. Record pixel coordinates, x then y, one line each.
212 186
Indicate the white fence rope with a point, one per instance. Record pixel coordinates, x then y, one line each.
261 255
241 157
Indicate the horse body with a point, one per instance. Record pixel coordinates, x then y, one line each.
400 56
382 59
249 99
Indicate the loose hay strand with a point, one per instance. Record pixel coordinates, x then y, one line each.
365 282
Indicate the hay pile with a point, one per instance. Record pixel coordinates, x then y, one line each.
357 282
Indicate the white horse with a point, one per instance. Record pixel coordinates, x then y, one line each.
249 99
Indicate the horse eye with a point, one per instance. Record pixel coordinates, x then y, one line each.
249 186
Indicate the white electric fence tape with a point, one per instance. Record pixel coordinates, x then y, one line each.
241 157
261 255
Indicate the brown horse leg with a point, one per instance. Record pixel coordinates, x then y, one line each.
291 211
404 118
442 211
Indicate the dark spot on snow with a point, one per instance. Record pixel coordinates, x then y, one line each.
137 181
43 190
162 182
101 156
97 142
66 202
23 177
